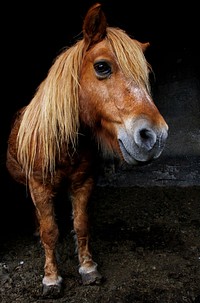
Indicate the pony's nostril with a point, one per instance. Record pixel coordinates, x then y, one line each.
145 138
144 133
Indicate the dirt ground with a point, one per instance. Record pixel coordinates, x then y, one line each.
146 242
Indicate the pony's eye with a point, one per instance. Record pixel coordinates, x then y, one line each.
102 69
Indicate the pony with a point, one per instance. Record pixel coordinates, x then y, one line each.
95 103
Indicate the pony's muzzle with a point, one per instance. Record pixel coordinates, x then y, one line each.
142 141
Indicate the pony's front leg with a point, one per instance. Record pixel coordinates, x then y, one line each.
88 268
42 196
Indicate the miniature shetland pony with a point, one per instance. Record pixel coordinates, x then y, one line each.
95 100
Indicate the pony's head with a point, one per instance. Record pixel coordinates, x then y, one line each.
114 94
101 83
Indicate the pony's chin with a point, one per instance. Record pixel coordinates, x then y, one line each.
131 159
134 162
128 159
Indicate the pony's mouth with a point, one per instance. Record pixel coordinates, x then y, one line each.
128 157
137 156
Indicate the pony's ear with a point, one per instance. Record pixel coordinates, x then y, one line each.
144 46
94 25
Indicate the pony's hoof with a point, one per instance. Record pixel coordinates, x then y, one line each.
52 291
92 278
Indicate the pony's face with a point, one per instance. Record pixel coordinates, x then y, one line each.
119 109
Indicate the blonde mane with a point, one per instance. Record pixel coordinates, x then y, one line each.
130 56
51 119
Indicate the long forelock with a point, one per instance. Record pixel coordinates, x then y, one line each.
52 116
130 56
